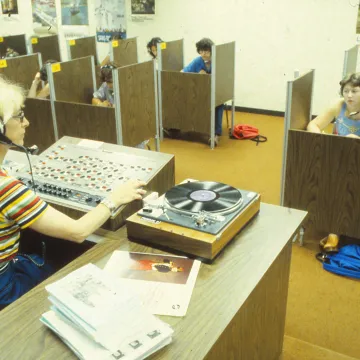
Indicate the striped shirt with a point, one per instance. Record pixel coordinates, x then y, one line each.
19 208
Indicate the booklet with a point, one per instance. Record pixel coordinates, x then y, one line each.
164 283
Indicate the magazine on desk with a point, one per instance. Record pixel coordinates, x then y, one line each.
164 283
98 317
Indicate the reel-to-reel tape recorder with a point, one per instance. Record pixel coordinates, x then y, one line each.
197 218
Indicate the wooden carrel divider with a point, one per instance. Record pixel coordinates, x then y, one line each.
86 121
322 177
125 52
225 73
47 46
172 56
74 82
21 69
137 102
16 42
186 101
301 101
41 129
83 47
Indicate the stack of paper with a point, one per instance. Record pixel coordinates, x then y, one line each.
99 318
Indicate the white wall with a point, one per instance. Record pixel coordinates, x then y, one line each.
273 37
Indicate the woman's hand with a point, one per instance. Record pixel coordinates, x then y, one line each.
37 77
127 192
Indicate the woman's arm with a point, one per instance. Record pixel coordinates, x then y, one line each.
44 92
34 86
56 224
324 119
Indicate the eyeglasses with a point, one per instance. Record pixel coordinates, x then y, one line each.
20 116
207 52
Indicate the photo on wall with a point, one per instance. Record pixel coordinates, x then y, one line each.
44 17
142 7
110 20
74 12
9 7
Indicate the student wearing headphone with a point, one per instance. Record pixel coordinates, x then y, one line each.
44 93
202 65
21 208
104 96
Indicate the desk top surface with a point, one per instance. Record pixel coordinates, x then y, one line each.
220 291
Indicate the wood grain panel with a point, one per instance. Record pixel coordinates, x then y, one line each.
351 63
84 47
126 52
16 42
257 330
137 98
250 278
322 177
301 101
186 101
22 69
48 47
225 72
41 129
172 58
74 83
86 121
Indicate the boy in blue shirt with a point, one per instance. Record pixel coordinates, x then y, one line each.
202 65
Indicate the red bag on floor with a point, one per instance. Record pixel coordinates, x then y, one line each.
247 132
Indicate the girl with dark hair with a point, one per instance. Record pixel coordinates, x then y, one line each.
152 46
345 111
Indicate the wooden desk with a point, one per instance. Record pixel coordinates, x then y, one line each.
237 310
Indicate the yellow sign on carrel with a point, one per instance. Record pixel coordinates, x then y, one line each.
72 42
3 64
55 67
34 40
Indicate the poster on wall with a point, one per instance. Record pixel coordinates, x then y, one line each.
74 12
142 10
142 7
9 7
44 17
110 20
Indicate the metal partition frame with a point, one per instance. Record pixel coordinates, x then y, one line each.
287 124
350 61
52 98
117 106
213 96
158 73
